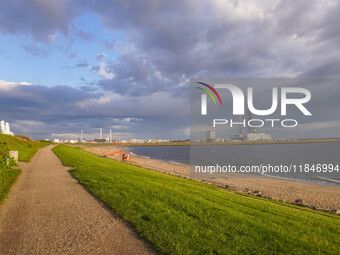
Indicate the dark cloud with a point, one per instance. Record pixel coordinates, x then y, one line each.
100 57
85 35
194 39
79 64
69 110
331 68
82 63
41 19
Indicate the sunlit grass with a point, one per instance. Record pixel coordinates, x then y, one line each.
180 216
26 149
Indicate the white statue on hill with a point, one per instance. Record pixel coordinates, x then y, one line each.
5 129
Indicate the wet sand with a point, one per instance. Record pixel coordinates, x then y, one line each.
312 195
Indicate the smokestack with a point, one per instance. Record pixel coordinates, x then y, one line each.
251 130
82 136
100 133
240 130
110 135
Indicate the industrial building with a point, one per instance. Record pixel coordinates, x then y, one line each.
136 141
211 136
251 133
259 137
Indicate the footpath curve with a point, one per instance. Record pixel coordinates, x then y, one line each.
48 212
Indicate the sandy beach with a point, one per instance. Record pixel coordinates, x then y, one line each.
312 195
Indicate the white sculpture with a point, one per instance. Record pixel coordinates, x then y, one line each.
5 129
2 126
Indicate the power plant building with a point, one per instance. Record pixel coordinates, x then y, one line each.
259 137
211 136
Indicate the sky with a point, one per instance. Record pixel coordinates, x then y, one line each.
68 65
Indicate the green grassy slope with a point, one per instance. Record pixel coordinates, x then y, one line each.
8 177
180 216
26 149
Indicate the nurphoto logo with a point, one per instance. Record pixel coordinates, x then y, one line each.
288 96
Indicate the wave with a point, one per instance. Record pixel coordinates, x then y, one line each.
322 181
143 156
139 155
280 177
177 163
328 179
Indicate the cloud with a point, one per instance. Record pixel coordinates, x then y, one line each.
36 50
100 56
163 45
40 19
79 64
82 63
84 35
40 111
118 127
68 135
102 100
103 71
219 38
6 85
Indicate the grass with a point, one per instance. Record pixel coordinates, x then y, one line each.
180 216
8 176
26 149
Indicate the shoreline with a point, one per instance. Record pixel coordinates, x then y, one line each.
228 143
315 196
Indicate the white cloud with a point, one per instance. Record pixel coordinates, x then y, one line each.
6 85
158 75
63 135
52 37
102 71
184 82
105 99
118 127
130 119
244 10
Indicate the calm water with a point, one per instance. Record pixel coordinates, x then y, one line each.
275 154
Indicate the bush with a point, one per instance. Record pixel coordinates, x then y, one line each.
3 152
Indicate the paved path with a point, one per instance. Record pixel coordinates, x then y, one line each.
48 212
